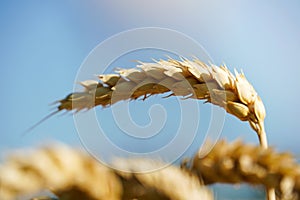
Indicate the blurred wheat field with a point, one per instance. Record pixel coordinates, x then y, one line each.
72 174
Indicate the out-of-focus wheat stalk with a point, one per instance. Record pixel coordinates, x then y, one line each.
187 78
238 162
73 175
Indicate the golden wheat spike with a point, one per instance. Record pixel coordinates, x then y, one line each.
187 78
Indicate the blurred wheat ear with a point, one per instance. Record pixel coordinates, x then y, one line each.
237 162
73 175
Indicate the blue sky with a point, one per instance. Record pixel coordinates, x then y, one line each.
43 44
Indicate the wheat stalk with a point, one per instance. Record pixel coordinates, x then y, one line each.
71 174
238 162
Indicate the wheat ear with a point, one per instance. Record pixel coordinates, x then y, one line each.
71 174
190 79
237 162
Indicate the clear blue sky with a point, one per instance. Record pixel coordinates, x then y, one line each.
43 44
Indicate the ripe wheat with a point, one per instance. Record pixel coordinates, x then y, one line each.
187 78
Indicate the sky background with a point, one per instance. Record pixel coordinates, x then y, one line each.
43 44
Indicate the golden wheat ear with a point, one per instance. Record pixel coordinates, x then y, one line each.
186 78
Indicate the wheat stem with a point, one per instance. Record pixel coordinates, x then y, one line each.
271 194
264 144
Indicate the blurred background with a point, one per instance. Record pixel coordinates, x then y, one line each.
43 44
